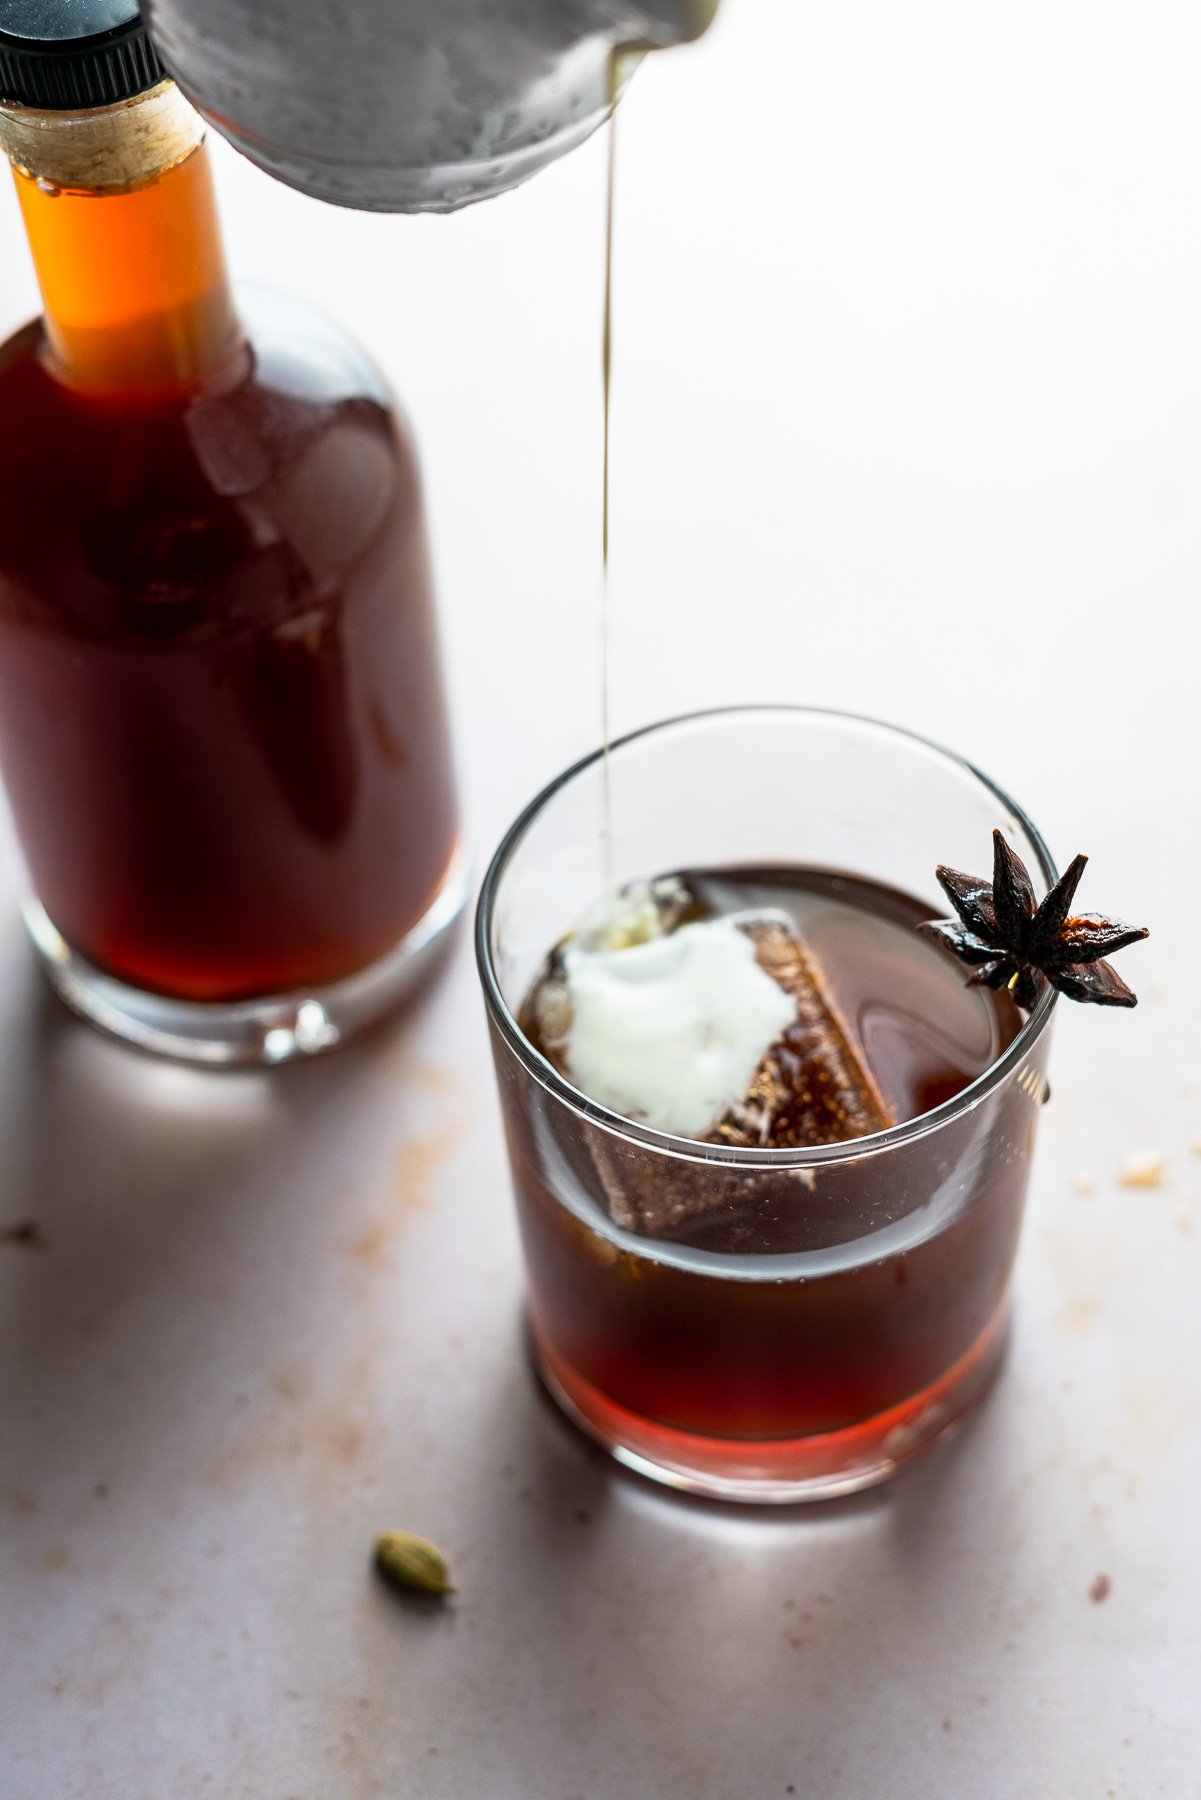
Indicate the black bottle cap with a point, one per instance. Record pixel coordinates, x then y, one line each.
67 55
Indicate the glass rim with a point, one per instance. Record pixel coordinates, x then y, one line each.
690 1149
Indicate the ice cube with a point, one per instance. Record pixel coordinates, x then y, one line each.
546 1016
810 1086
637 914
814 1085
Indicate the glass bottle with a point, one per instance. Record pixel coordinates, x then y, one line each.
222 725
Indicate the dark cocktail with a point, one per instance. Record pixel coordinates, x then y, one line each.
788 1284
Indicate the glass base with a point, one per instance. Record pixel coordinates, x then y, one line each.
780 1471
278 1028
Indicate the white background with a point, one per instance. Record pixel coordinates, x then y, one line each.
907 420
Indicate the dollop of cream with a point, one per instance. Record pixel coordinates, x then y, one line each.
670 1031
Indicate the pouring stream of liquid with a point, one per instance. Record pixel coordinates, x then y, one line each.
615 74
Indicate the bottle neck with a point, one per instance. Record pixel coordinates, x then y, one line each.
119 210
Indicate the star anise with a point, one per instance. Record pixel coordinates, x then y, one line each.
1010 942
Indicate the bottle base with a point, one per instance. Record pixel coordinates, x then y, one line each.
278 1028
780 1471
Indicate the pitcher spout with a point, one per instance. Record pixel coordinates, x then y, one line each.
404 106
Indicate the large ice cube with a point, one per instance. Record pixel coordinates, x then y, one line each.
813 1085
669 1032
672 1015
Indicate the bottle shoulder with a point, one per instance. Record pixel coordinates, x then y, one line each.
297 363
290 471
21 348
299 349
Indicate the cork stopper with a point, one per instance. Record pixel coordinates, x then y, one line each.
104 149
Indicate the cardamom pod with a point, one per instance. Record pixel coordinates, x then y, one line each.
412 1562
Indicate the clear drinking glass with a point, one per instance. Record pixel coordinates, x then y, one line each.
761 1377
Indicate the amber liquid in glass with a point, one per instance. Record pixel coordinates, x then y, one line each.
810 1333
222 728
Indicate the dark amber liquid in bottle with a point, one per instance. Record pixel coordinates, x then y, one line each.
222 728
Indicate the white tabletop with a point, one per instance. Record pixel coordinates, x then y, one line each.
908 420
